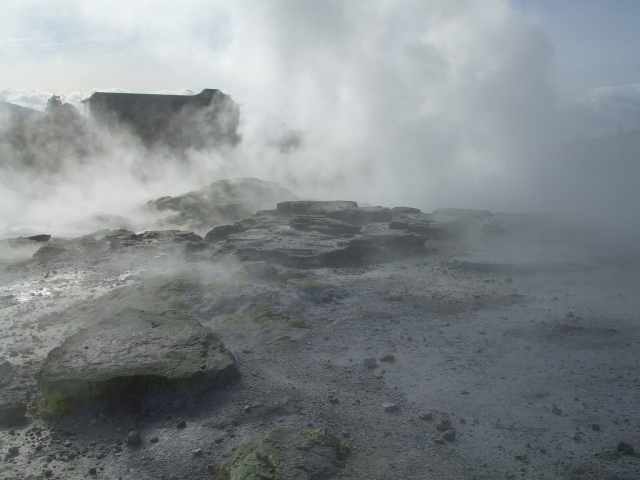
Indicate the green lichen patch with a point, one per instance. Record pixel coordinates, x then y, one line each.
283 455
264 314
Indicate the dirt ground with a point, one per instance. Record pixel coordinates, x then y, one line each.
471 361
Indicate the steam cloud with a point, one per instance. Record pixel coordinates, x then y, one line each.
420 103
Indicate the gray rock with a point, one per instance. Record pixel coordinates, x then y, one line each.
370 362
345 211
13 408
131 350
133 439
325 225
390 407
260 270
309 249
99 245
432 226
222 202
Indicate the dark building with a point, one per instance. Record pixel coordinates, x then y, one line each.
205 120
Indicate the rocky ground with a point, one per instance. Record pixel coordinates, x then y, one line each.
369 343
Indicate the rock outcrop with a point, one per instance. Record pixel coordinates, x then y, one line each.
313 234
131 351
221 202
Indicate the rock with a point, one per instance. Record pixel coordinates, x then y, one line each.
390 407
39 238
443 425
308 249
181 423
221 202
325 225
99 245
259 270
345 211
133 439
131 350
314 207
396 211
370 362
13 400
425 416
285 453
432 226
13 408
388 358
221 232
625 448
449 435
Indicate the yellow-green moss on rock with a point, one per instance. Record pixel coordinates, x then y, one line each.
132 350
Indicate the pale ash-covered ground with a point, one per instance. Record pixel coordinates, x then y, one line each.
532 355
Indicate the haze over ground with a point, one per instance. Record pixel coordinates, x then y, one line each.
490 104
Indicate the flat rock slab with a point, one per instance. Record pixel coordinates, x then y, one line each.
131 350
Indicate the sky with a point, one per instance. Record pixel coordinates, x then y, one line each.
428 103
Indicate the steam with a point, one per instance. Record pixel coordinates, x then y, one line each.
427 104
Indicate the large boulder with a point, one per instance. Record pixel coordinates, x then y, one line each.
132 350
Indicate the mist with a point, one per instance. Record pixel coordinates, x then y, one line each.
407 103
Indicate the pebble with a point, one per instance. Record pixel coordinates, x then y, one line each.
180 423
390 407
425 416
624 447
449 435
133 438
443 425
370 362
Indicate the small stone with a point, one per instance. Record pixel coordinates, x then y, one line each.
370 362
624 447
333 400
13 452
48 473
93 471
180 423
198 452
425 416
133 438
443 425
555 410
388 358
449 435
595 427
154 440
576 437
439 441
521 456
390 407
